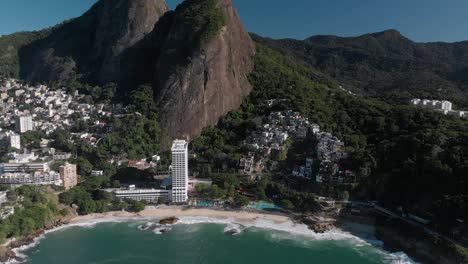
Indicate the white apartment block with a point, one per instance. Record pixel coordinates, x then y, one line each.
151 196
24 124
444 107
433 104
37 178
15 141
24 167
179 171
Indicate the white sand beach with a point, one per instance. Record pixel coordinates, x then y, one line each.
152 212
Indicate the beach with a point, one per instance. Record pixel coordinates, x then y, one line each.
119 231
152 212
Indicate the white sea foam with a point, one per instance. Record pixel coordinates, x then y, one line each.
293 231
233 229
400 258
288 230
161 230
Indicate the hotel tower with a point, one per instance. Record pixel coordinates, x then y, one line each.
179 171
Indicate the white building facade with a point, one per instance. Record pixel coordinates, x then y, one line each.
24 124
15 141
179 171
151 196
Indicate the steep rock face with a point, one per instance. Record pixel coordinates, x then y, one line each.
95 44
199 80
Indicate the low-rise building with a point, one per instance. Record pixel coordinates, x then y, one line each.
97 173
24 167
36 178
445 107
432 104
138 164
62 156
151 196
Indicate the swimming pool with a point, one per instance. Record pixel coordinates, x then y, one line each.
264 206
205 204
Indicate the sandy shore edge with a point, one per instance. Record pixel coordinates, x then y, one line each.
152 212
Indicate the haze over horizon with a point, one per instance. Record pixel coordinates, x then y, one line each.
422 21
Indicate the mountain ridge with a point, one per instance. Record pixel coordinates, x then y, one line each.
385 64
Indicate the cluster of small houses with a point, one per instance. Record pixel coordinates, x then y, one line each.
29 108
331 159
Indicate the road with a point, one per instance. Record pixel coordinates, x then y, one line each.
419 225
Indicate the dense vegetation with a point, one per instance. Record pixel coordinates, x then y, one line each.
9 50
403 156
89 197
35 208
386 65
204 17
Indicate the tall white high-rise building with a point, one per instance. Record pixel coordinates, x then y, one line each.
24 124
179 171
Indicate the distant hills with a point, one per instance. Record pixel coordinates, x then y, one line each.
385 64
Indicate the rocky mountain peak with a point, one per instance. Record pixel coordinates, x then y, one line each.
95 44
203 68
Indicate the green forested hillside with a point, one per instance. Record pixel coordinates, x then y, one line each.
386 65
403 156
9 48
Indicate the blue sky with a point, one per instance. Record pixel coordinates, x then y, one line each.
420 20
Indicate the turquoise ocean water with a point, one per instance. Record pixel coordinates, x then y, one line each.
196 242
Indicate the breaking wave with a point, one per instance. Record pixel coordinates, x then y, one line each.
287 230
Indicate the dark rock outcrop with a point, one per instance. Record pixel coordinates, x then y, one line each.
96 45
198 82
319 224
169 221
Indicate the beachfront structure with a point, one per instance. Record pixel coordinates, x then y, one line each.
24 123
151 196
179 171
68 175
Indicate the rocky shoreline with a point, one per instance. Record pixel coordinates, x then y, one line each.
7 251
318 224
